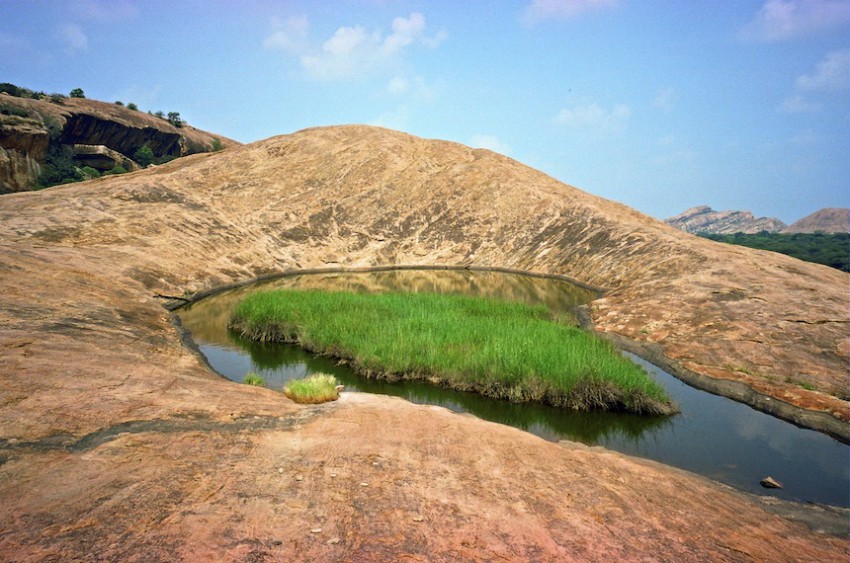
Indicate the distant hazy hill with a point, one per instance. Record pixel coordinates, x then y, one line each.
827 220
703 219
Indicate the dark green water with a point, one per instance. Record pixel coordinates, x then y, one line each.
712 436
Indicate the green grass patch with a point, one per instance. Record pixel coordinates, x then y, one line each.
252 378
317 388
501 349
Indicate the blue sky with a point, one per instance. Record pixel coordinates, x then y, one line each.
661 105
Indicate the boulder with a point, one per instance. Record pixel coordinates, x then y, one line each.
102 158
770 483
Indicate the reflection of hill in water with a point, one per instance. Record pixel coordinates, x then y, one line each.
208 318
545 421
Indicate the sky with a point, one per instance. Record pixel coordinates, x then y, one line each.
659 104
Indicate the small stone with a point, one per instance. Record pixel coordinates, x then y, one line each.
280 469
316 531
418 518
333 475
770 483
277 542
299 477
340 388
333 541
364 484
375 463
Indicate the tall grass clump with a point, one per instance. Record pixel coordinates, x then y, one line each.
316 388
497 348
252 378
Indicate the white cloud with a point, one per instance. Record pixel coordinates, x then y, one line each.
540 10
797 104
351 51
72 36
489 142
781 20
595 117
832 73
665 99
405 31
290 35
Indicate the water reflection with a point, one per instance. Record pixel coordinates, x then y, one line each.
278 363
209 318
713 436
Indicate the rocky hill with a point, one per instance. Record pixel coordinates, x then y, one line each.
97 134
171 462
827 220
703 219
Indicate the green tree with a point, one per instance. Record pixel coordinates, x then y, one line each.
117 170
144 156
89 172
132 106
10 89
216 144
77 93
174 119
822 248
58 167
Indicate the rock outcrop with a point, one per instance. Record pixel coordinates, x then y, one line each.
827 220
25 135
703 219
18 170
101 157
23 145
171 462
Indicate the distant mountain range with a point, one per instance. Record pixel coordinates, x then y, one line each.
704 219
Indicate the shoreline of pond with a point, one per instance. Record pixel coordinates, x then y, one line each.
651 352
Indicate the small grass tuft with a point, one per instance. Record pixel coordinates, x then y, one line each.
317 388
252 378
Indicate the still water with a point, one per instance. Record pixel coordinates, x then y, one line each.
713 436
